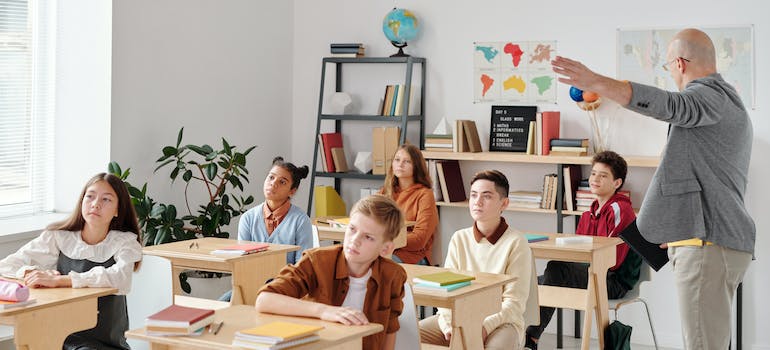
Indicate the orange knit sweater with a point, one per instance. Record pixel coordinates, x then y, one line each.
417 204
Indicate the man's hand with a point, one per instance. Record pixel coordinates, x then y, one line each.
484 334
345 315
576 74
44 279
664 246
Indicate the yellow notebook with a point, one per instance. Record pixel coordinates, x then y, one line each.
281 331
443 278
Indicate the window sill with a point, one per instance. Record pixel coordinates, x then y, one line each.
16 228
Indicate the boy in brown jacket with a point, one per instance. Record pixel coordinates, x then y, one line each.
351 284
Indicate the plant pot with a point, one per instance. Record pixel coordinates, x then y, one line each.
208 285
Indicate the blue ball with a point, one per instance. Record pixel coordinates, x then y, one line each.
576 94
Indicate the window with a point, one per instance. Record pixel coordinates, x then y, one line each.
27 76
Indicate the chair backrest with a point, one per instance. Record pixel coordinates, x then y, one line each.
316 241
532 311
408 335
645 275
151 291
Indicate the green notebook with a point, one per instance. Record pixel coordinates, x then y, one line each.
442 278
531 237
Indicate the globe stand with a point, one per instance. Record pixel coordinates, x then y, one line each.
400 47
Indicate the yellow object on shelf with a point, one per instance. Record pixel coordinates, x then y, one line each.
328 202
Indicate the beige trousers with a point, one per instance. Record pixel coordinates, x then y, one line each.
706 279
504 337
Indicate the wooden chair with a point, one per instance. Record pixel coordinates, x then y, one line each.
408 335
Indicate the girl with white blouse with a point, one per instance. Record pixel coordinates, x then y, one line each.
97 246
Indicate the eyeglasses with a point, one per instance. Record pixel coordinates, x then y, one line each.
665 65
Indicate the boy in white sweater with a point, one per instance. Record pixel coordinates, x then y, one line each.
489 246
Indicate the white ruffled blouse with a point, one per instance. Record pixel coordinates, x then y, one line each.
42 253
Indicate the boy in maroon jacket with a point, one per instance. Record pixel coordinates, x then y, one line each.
610 213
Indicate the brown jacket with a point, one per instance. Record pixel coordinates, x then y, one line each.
322 276
417 204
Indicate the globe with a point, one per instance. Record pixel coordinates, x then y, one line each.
400 26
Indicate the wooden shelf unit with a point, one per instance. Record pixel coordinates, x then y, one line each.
515 157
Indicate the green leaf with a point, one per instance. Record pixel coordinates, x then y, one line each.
197 149
114 168
169 151
246 152
179 137
211 171
170 214
249 200
157 211
163 164
125 174
187 176
211 156
236 183
174 174
226 146
207 149
225 199
240 159
135 192
163 236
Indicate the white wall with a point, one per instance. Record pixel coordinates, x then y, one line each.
217 68
585 32
83 52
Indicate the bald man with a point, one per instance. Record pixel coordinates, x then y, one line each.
695 200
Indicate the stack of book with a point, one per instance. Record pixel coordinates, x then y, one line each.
441 282
241 249
466 137
550 182
351 50
524 199
569 147
179 320
333 157
276 335
438 142
585 198
449 181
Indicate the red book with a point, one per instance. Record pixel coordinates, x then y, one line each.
451 180
178 316
550 130
242 249
331 140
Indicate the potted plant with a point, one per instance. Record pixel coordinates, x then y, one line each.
219 172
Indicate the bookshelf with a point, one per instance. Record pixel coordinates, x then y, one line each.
403 121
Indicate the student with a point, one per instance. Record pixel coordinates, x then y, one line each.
350 283
610 213
407 182
97 246
277 220
489 246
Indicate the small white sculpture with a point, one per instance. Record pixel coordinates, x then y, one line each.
340 103
363 162
442 128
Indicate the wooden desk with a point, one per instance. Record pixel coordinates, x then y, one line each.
239 317
328 233
57 313
249 272
601 256
470 305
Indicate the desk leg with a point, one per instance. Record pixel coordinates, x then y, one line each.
468 315
355 344
590 306
47 328
176 286
599 266
250 274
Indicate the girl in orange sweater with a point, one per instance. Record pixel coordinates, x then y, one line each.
408 184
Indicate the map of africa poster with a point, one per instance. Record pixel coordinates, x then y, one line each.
642 53
514 72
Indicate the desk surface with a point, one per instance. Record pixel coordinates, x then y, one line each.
241 317
571 252
202 252
483 281
49 297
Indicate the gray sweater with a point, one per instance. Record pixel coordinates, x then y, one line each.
698 189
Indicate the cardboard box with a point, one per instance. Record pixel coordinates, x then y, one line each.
392 136
378 151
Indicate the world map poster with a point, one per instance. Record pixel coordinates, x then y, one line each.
642 53
514 72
